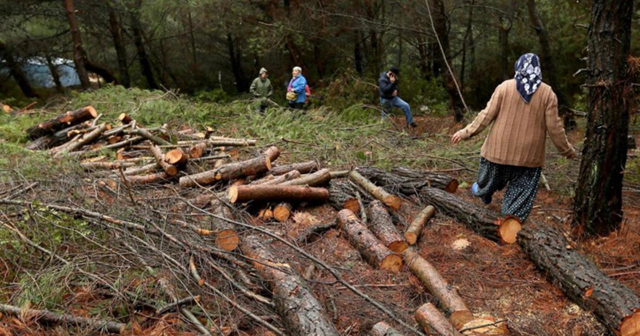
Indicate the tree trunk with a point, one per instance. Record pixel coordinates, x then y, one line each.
598 202
413 232
235 57
440 23
447 295
468 38
383 329
54 74
408 181
504 29
118 43
549 65
145 63
275 193
62 121
78 51
357 52
373 251
615 305
300 311
16 71
392 201
227 172
429 317
381 224
303 168
481 220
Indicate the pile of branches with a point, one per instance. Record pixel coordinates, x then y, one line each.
183 219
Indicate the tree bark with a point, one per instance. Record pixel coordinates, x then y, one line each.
54 74
301 312
413 232
78 51
273 180
118 43
145 63
598 202
321 177
275 193
302 167
86 139
394 202
342 195
148 179
468 39
481 220
16 71
429 317
447 296
440 22
373 251
62 121
227 172
408 181
549 65
381 225
504 29
235 57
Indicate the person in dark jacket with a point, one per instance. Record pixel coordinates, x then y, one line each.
261 89
388 87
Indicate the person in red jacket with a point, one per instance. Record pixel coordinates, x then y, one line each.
307 92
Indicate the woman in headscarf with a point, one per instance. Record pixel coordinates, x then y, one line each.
523 110
295 90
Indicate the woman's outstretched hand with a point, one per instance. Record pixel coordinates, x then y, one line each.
456 138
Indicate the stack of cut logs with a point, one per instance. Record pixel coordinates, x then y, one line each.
368 201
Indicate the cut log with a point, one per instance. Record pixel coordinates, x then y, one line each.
480 220
322 176
408 181
168 168
616 306
340 174
227 237
50 317
392 201
275 193
228 171
272 180
116 145
272 153
447 296
114 138
125 119
86 139
62 121
266 214
197 150
148 179
383 329
413 232
282 211
302 167
143 169
342 195
381 225
42 142
55 139
429 317
373 251
300 311
176 158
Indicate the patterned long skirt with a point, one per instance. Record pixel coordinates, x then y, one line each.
521 183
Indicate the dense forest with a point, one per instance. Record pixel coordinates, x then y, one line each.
203 45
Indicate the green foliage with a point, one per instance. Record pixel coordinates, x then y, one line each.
346 89
13 127
212 96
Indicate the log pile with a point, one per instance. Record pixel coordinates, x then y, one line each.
368 201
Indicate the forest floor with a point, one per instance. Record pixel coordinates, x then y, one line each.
493 279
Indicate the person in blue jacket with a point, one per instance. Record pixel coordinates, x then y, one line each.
295 91
388 87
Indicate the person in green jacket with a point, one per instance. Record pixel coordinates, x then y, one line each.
261 89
